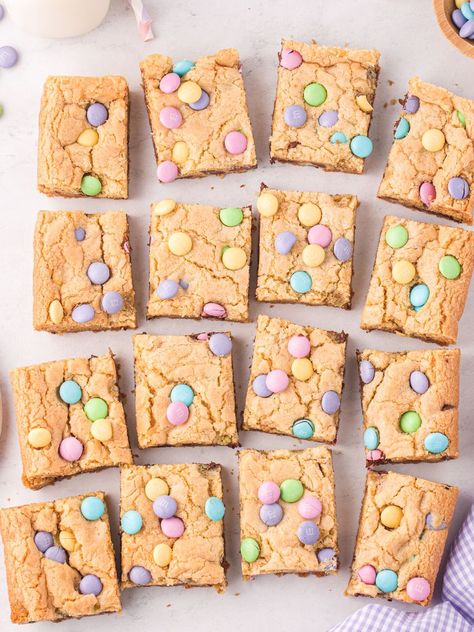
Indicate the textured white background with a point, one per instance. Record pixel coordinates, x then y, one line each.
408 37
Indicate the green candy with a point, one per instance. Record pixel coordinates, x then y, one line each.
461 118
315 94
449 267
91 185
396 236
410 421
249 549
96 408
291 490
231 216
1 110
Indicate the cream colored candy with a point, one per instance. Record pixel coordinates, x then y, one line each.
403 272
101 429
180 152
156 487
363 103
180 244
67 540
88 138
39 437
162 554
164 207
309 214
234 258
56 311
433 140
189 92
267 204
302 369
391 516
313 255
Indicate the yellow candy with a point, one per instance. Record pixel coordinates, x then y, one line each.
164 207
433 140
156 487
180 244
56 311
39 437
67 540
234 258
267 204
459 3
309 214
88 138
180 152
302 369
313 255
403 272
162 554
189 92
363 103
101 429
391 516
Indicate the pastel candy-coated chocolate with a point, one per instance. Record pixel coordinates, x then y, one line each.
259 386
302 369
8 56
189 92
418 588
231 216
220 344
97 114
268 493
83 313
214 508
2 12
391 516
309 507
458 18
361 146
182 393
327 557
277 381
290 59
374 455
309 214
330 402
214 310
56 554
367 574
338 138
165 506
177 413
315 94
295 116
458 187
419 382
284 242
201 103
156 487
98 272
320 235
182 67
301 282
412 104
167 289
433 140
436 442
267 204
235 142
170 82
466 10
303 429
299 346
467 29
172 527
167 171
386 580
92 508
449 267
139 575
427 193
70 449
249 550
342 249
43 540
91 185
308 532
170 117
162 554
402 129
70 392
371 438
271 515
396 236
434 522
90 585
131 522
96 408
102 430
410 421
67 540
328 119
291 490
419 295
366 371
112 302
79 234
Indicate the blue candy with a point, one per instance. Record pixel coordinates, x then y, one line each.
361 146
338 137
70 392
386 580
214 508
436 442
132 522
92 508
182 67
182 393
467 12
402 129
371 438
303 429
301 282
419 294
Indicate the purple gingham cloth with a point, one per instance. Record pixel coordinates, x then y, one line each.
454 614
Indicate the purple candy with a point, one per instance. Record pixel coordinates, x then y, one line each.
366 371
308 532
328 119
165 507
271 515
112 302
295 115
2 12
343 249
430 523
139 575
43 540
284 242
97 114
458 187
324 555
220 344
90 585
184 284
167 289
330 402
98 272
8 56
419 382
412 104
467 29
56 554
80 234
83 313
201 103
458 18
260 387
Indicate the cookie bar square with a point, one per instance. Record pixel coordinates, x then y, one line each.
199 261
172 525
69 418
402 532
184 390
59 559
410 405
296 380
287 512
83 137
323 106
420 280
198 115
306 247
431 164
82 277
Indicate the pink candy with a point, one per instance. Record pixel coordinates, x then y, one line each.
235 142
427 193
299 346
320 235
309 507
170 83
214 310
177 413
170 118
277 381
290 59
71 449
367 574
418 589
268 493
172 527
167 171
374 455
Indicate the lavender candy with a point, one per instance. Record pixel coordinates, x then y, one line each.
329 118
434 525
56 554
467 29
43 540
308 532
366 371
412 104
327 558
201 103
330 402
8 56
342 249
458 187
419 382
97 114
259 386
98 272
83 313
295 116
167 289
165 507
271 515
220 344
80 234
284 242
90 585
458 18
112 302
139 575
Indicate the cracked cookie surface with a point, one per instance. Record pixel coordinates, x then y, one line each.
61 264
388 305
302 399
41 589
413 548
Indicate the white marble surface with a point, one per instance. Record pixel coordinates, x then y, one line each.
408 37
